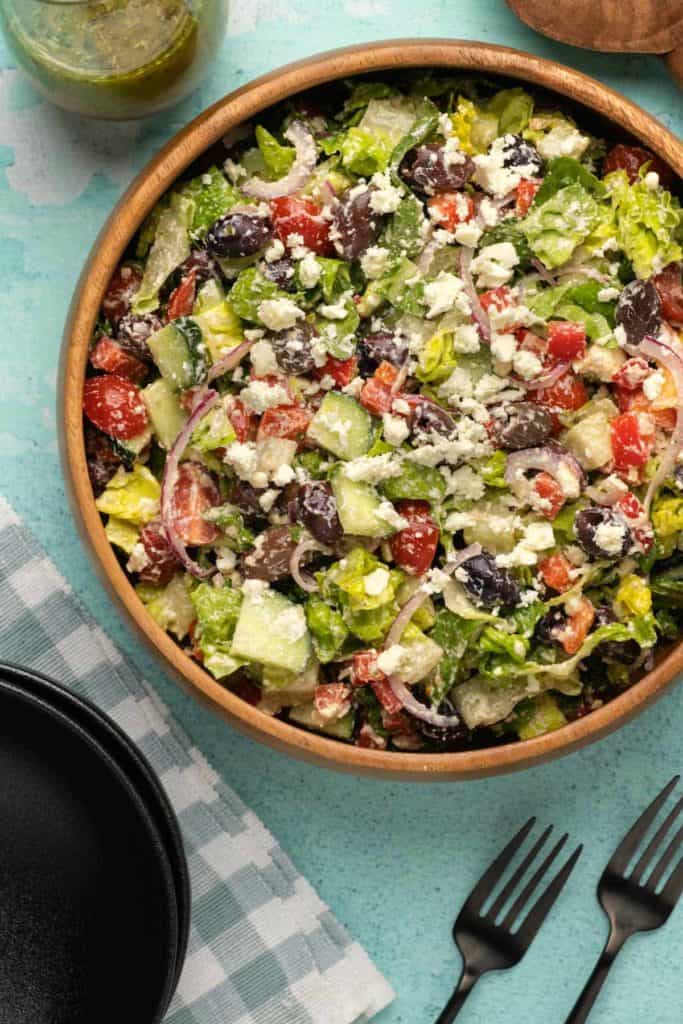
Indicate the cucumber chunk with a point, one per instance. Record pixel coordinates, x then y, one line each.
165 411
309 717
130 449
342 426
179 351
272 631
357 506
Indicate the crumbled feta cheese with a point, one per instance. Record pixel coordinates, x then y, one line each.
465 483
226 560
275 251
651 181
283 475
608 294
466 339
138 558
385 197
234 171
491 174
375 582
435 581
309 271
452 153
243 458
445 292
260 395
334 311
373 469
388 514
374 261
470 440
263 359
503 347
488 212
610 537
268 499
401 406
537 537
354 387
255 589
467 234
327 382
620 335
395 428
494 266
563 140
652 385
488 386
279 314
391 660
445 125
526 364
599 362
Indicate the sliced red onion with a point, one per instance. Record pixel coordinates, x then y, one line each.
561 465
418 710
544 273
327 194
672 360
230 360
304 579
479 314
304 164
400 377
170 478
581 270
546 380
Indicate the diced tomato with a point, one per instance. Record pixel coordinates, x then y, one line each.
332 700
413 548
577 626
386 373
567 393
636 401
342 371
194 494
115 406
639 523
631 374
124 283
551 497
497 299
364 668
376 397
287 421
524 195
633 436
396 721
303 217
111 357
555 572
529 342
162 562
632 158
243 421
451 208
386 696
370 739
181 300
566 339
669 284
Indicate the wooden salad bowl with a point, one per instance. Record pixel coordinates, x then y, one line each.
598 105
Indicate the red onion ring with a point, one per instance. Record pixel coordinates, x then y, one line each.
479 315
546 380
230 360
305 580
298 174
547 460
544 273
673 361
170 478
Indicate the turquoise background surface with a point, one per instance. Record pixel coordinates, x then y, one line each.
393 861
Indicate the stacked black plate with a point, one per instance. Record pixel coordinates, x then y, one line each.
94 886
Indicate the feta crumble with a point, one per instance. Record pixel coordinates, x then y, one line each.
279 314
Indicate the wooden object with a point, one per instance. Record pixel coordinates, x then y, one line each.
617 26
620 118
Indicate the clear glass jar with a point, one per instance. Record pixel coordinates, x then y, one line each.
114 59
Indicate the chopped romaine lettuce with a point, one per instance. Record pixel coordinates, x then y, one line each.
512 108
667 515
133 496
647 224
122 533
556 227
170 247
327 628
221 328
250 289
403 235
538 716
277 158
564 171
171 606
230 520
417 483
212 196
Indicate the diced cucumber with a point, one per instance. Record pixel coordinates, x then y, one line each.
179 351
221 329
130 449
417 483
310 718
165 411
291 689
357 506
272 631
342 426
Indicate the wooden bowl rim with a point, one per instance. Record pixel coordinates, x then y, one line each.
112 240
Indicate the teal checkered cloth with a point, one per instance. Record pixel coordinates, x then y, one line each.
264 949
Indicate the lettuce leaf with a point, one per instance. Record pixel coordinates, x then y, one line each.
416 483
667 515
276 157
667 586
249 291
362 94
230 520
403 234
212 196
455 636
327 627
647 224
170 247
578 303
339 336
217 613
171 606
555 228
132 496
513 109
437 359
564 171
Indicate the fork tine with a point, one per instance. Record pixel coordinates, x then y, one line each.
510 886
674 887
656 842
538 913
495 870
532 885
666 858
633 837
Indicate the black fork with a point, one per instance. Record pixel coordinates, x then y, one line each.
632 903
489 945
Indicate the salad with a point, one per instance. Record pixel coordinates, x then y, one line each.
383 414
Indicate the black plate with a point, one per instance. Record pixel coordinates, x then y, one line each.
138 769
88 913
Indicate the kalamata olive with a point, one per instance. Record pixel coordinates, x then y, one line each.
639 310
270 558
632 158
101 458
601 533
203 264
517 152
428 418
611 650
550 625
451 737
354 224
487 584
246 498
134 330
317 510
669 285
380 346
281 272
293 348
238 234
518 425
433 169
162 563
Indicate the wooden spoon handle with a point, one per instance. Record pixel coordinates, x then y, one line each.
674 62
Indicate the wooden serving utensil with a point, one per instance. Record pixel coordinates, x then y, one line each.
618 26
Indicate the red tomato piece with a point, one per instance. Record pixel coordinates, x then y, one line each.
641 528
632 158
194 494
303 217
370 739
181 300
555 571
111 357
414 510
124 283
525 194
633 436
569 392
386 696
636 401
386 373
566 340
376 397
413 548
364 668
243 421
550 498
332 700
341 370
497 299
396 722
669 284
631 374
287 421
451 208
577 626
162 563
115 406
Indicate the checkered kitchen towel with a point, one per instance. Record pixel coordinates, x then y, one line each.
264 949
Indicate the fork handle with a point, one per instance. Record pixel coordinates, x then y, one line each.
452 1008
584 1003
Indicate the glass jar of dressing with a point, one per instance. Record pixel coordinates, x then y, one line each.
114 59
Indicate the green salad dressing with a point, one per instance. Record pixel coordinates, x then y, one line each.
114 58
